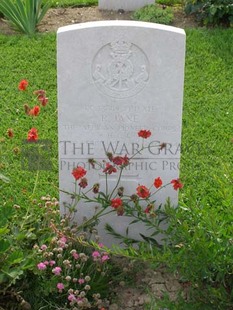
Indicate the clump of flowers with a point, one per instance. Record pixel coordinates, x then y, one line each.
71 271
34 111
140 205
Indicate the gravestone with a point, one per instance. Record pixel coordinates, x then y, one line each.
114 79
126 5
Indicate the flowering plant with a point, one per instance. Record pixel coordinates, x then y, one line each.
140 206
75 274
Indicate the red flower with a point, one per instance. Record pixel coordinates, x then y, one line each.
121 161
40 93
109 169
148 208
176 184
35 111
79 172
143 191
117 202
32 134
10 132
83 183
144 133
43 100
23 85
158 182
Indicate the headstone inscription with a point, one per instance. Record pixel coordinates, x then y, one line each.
126 5
114 79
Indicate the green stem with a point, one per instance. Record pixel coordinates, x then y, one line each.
36 182
95 217
106 181
118 181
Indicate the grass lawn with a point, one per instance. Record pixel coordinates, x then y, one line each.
207 114
205 229
70 3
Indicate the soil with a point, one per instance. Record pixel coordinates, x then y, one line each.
59 17
147 286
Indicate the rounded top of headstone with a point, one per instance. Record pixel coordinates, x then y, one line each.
120 23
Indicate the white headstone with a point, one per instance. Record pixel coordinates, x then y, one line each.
114 79
126 5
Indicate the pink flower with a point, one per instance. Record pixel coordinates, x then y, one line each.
62 242
52 262
46 262
81 281
95 254
57 271
101 245
104 258
63 239
75 255
43 247
60 287
71 297
41 266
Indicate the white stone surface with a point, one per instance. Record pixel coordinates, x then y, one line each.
126 5
115 78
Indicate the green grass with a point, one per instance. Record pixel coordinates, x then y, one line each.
207 126
207 114
207 121
35 60
66 3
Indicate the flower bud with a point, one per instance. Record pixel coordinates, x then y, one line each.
95 188
109 155
134 198
120 191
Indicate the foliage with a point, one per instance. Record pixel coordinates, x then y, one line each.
24 15
74 274
72 3
170 2
154 14
18 232
206 150
211 12
201 244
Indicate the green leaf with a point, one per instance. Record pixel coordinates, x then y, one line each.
4 179
6 212
4 245
15 257
13 274
24 15
4 230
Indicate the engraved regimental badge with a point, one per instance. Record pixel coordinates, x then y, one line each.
120 69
